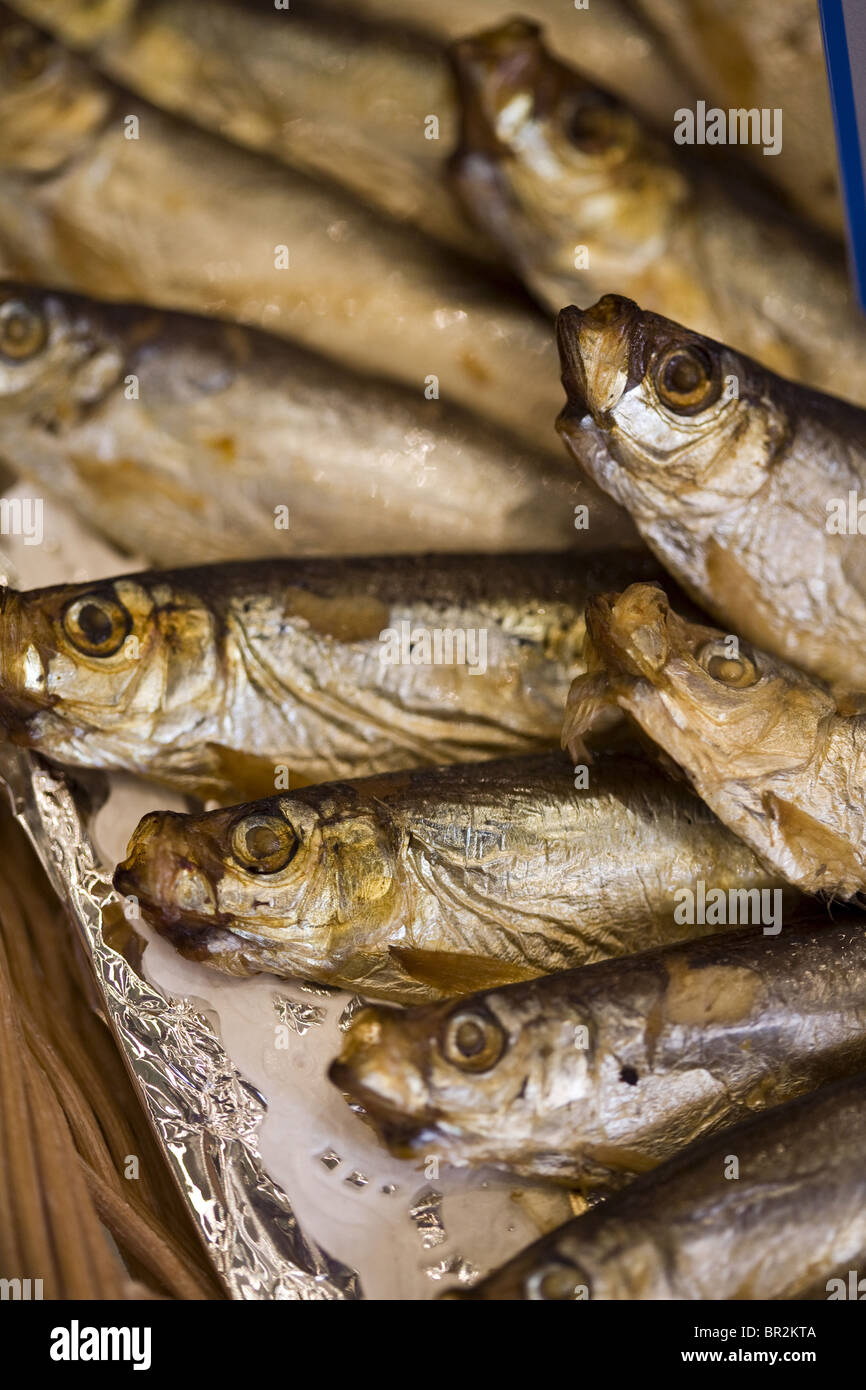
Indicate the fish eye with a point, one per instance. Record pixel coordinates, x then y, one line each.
738 671
473 1040
263 844
555 1281
686 380
23 331
97 624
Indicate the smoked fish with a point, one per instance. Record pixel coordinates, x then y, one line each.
747 487
585 197
232 680
189 441
765 1210
595 1075
430 884
103 194
767 747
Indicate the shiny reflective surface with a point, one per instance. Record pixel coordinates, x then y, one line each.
791 1213
746 500
431 884
206 1116
232 680
596 1075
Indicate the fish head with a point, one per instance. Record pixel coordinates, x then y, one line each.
688 428
111 655
58 355
716 706
49 100
304 881
458 1075
548 160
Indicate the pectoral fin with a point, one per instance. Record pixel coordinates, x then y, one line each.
452 973
828 861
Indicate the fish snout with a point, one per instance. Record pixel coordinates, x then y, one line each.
378 1069
161 872
629 631
594 351
497 76
23 677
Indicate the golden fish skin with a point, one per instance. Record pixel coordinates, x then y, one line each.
795 1214
211 680
763 744
177 218
768 56
731 475
595 1075
584 198
429 884
329 95
191 440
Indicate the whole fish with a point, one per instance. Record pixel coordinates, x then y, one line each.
103 194
229 679
426 885
595 1075
742 483
607 37
763 1210
770 57
767 747
204 441
323 92
585 198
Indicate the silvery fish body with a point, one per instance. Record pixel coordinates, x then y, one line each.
223 679
344 100
429 884
190 441
584 198
104 194
769 748
595 1075
768 1209
746 486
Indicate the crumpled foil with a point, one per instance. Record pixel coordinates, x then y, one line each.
206 1115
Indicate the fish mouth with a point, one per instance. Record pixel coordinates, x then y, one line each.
402 1134
574 379
173 890
18 705
595 356
183 927
629 632
491 69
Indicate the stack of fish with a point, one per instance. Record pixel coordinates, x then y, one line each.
250 325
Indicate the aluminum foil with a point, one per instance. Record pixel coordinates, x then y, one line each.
205 1113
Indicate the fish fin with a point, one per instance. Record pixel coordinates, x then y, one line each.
824 854
589 700
246 776
457 972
